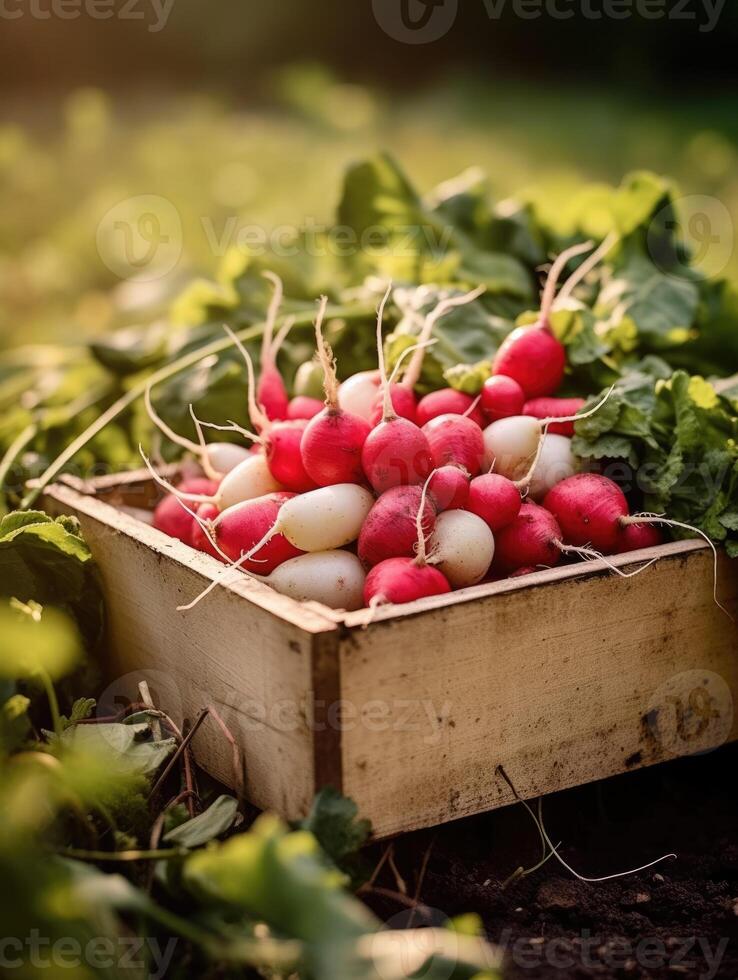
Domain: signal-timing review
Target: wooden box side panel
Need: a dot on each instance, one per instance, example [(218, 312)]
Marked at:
[(253, 666), (561, 684)]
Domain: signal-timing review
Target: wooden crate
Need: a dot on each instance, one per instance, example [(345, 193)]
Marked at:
[(562, 677)]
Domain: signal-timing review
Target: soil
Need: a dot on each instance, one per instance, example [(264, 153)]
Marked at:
[(677, 919)]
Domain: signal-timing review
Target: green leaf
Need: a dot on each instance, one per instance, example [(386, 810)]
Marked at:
[(129, 747), (81, 710), (215, 821), (33, 639), (333, 820)]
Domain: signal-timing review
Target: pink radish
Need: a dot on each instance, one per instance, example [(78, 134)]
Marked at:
[(495, 499), (588, 508), (531, 539), (332, 441), (237, 530), (531, 355), (448, 401), (462, 547), (634, 537), (449, 488), (398, 580), (271, 392), (172, 519), (402, 400), (391, 527), (502, 397), (304, 407), (457, 441), (396, 452), (546, 408)]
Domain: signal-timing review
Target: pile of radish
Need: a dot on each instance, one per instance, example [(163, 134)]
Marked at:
[(378, 496)]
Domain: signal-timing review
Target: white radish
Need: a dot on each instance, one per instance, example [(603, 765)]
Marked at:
[(358, 394), (462, 547), (224, 457), (555, 463), (334, 578), (511, 444), (324, 519), (250, 479)]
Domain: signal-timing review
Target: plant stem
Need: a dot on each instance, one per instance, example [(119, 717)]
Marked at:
[(52, 699), (121, 856), (164, 374), (14, 450)]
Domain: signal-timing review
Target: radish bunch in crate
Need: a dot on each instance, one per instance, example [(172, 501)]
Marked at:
[(377, 496)]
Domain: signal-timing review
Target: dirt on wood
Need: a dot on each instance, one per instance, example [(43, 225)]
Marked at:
[(677, 919)]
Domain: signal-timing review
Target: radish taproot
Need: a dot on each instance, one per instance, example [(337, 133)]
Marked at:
[(333, 440), (396, 451), (588, 508), (462, 547), (271, 392), (635, 537)]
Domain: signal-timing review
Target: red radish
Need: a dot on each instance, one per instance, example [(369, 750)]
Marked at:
[(455, 440), (216, 459), (531, 539), (462, 547), (170, 516), (396, 452), (400, 580), (531, 355), (495, 499), (448, 401), (239, 528), (520, 572), (304, 407), (502, 397), (391, 527), (547, 408), (449, 488), (634, 537), (403, 404), (332, 441), (588, 508), (271, 392)]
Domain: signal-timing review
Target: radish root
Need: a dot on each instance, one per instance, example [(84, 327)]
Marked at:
[(660, 519), (587, 266), (388, 410), (412, 375), (194, 498), (199, 449), (259, 418), (552, 280), (326, 360)]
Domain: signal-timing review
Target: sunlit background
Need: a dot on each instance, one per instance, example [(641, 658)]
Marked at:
[(241, 112)]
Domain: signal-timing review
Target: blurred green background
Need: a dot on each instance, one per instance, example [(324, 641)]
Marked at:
[(246, 113)]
